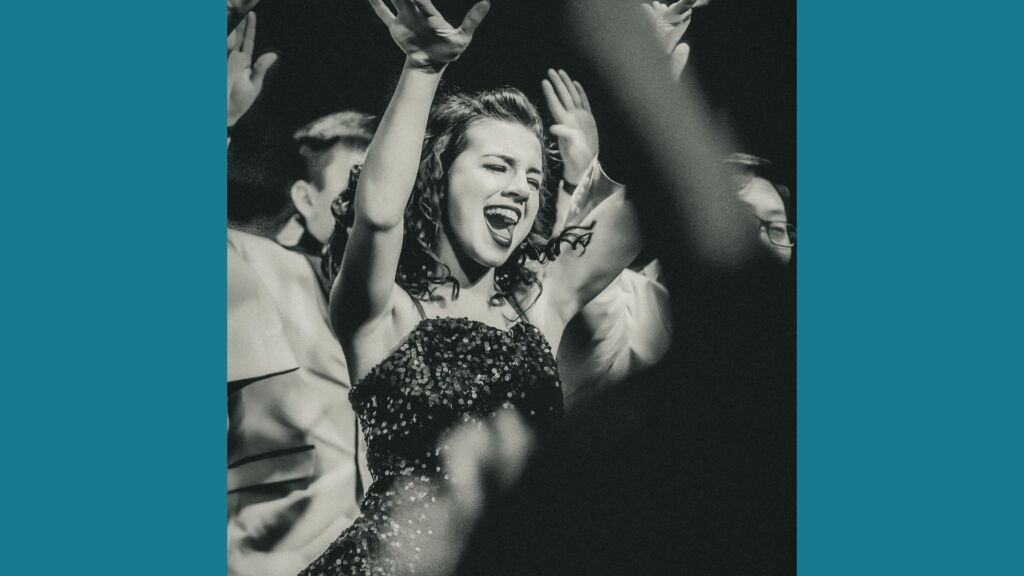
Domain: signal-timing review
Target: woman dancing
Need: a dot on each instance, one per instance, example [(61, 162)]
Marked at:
[(452, 197)]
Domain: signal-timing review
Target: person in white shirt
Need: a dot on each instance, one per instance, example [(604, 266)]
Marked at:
[(295, 467)]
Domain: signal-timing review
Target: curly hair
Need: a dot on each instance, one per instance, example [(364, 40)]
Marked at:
[(446, 137)]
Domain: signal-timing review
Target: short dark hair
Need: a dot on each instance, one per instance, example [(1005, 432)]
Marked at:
[(746, 166), (314, 141)]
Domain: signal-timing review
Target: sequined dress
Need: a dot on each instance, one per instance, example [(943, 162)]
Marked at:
[(449, 370)]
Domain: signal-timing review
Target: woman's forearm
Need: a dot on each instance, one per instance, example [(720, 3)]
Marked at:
[(392, 159)]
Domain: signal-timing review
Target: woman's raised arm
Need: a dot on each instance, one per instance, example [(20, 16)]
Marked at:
[(363, 290), (577, 276)]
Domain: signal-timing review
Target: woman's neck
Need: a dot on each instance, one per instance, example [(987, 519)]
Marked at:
[(468, 272), (474, 284), (476, 281)]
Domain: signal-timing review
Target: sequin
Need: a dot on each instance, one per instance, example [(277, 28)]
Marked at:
[(448, 371)]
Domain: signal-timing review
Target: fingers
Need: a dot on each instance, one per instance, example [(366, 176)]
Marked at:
[(236, 29), (474, 452), (233, 40), (382, 11), (669, 23), (249, 36), (237, 9), (680, 56), (427, 8), (465, 452), (678, 29), (681, 6), (237, 37), (259, 69), (557, 111), (650, 12), (475, 17), (577, 101), (652, 18), (405, 8), (561, 131), (514, 444), (561, 90), (583, 96)]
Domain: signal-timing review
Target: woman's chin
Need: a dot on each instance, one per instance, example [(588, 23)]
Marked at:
[(491, 252), (497, 261), (494, 256)]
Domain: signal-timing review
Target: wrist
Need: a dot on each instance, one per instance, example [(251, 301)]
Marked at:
[(427, 68), (575, 167), (572, 175)]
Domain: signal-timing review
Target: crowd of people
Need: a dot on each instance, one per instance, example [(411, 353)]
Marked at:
[(450, 351)]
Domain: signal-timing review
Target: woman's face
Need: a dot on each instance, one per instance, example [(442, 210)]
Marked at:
[(494, 191)]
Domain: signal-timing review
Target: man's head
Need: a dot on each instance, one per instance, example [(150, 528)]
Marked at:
[(328, 148), (769, 202)]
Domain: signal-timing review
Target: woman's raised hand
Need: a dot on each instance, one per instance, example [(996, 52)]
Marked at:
[(574, 123), (428, 40)]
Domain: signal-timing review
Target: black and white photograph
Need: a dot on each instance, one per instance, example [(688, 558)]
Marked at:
[(511, 287)]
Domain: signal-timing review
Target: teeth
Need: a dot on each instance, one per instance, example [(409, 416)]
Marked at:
[(506, 213)]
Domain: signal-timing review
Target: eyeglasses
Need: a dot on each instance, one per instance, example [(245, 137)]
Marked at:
[(780, 233)]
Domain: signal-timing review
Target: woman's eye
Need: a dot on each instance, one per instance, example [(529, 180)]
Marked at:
[(496, 168), (535, 184)]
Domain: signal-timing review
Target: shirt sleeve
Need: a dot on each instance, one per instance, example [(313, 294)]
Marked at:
[(622, 331), (595, 186)]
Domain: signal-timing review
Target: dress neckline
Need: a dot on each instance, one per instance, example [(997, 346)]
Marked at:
[(468, 320), (464, 320)]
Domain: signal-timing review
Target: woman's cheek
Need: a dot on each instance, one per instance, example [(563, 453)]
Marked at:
[(531, 219)]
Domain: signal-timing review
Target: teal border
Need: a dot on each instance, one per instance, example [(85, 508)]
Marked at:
[(909, 304), (909, 310), (114, 280)]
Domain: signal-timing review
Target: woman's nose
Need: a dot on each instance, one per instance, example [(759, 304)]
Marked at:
[(518, 189)]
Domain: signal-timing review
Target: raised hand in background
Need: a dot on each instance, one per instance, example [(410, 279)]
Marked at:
[(574, 125), (245, 78), (237, 9), (670, 21)]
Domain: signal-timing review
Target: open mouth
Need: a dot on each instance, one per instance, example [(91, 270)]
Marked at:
[(501, 221)]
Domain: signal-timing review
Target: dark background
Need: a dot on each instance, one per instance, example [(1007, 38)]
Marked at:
[(335, 54), (708, 435)]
